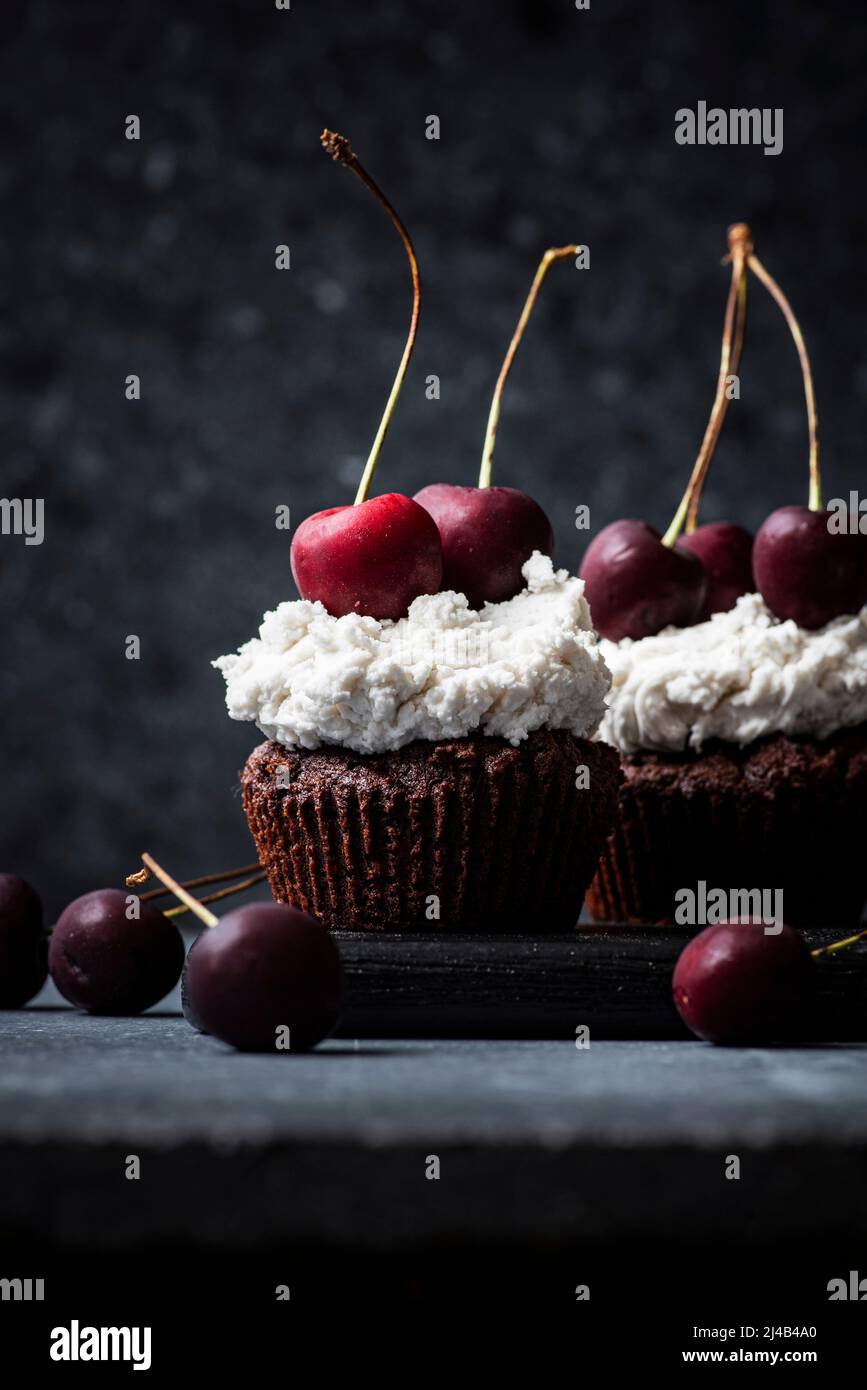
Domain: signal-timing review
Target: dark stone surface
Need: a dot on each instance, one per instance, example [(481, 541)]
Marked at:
[(262, 388), (74, 1077), (537, 1141)]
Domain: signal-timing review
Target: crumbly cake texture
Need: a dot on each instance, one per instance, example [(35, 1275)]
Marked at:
[(782, 812), (489, 836)]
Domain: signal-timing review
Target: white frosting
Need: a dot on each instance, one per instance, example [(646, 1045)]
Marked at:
[(738, 677), (443, 671)]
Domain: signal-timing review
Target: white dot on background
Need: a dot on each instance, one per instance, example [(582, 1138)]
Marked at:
[(330, 296)]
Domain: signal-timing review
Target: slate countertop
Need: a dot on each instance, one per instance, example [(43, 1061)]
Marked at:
[(537, 1140)]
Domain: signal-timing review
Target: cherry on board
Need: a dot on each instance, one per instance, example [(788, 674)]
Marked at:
[(741, 982)]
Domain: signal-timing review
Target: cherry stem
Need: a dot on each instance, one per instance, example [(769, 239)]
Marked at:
[(815, 499), (209, 918), (194, 882), (342, 153), (838, 945), (740, 247), (215, 897), (554, 253), (732, 369)]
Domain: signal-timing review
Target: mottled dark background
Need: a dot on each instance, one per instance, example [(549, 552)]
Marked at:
[(263, 387)]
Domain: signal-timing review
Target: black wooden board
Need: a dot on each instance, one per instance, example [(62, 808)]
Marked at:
[(614, 979)]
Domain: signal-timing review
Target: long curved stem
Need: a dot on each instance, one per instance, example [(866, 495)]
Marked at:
[(815, 498), (342, 153), (727, 370), (554, 253), (740, 245), (143, 875), (216, 897)]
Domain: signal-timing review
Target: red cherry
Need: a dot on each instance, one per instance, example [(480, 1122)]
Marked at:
[(805, 572), (262, 968), (636, 586), (737, 982), (726, 551), (106, 962), (374, 558), (487, 534)]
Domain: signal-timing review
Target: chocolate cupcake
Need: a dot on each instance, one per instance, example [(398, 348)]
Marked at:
[(744, 754), (466, 834), (434, 773)]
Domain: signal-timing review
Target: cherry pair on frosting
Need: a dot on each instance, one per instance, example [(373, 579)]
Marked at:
[(378, 555), (638, 582)]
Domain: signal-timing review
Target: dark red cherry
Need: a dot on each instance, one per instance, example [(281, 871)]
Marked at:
[(726, 551), (741, 982), (187, 1008), (373, 559), (108, 962), (636, 586), (264, 969), (23, 943), (487, 534), (804, 571)]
